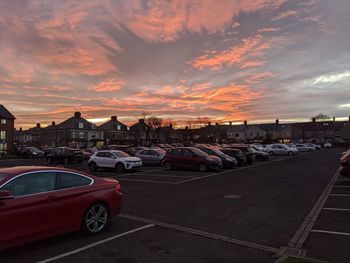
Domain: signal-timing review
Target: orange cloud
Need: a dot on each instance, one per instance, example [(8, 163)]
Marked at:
[(108, 86), (252, 46)]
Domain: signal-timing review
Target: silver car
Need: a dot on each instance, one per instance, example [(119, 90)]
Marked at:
[(151, 156)]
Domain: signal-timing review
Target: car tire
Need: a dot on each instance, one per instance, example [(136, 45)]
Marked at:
[(66, 160), (202, 167), (290, 153), (271, 153), (120, 168), (95, 219), (167, 166), (93, 166)]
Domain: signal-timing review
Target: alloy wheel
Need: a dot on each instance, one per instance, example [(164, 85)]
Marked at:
[(96, 218)]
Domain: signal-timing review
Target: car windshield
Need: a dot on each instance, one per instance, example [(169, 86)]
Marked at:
[(217, 152), (33, 149), (199, 152), (121, 154)]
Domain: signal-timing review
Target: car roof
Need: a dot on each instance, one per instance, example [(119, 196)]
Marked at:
[(12, 171)]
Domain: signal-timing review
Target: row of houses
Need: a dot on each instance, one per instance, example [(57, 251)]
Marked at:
[(78, 132)]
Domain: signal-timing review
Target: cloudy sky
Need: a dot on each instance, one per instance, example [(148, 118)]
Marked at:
[(179, 59)]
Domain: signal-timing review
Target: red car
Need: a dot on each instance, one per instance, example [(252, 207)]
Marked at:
[(41, 202), (345, 165)]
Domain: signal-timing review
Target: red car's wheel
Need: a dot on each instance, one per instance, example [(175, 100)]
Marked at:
[(95, 218), (202, 167)]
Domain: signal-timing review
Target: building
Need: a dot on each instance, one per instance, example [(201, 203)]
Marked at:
[(115, 132), (7, 127), (141, 133), (322, 131), (277, 132), (74, 132)]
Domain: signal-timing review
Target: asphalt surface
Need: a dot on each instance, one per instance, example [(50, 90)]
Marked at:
[(241, 215)]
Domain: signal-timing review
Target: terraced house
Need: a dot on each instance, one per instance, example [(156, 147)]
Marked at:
[(7, 123)]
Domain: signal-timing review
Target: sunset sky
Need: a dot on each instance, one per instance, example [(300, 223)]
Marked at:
[(224, 59)]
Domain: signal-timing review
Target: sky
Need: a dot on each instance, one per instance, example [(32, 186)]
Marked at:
[(229, 60)]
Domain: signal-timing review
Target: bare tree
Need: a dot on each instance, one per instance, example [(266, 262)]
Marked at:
[(320, 116)]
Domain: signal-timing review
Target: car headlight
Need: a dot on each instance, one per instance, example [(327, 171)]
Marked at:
[(35, 153)]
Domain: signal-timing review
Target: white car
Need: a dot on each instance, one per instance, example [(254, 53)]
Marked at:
[(281, 149), (305, 148), (327, 145), (118, 160)]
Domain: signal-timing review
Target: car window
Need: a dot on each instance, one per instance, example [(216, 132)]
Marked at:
[(121, 154), (199, 152), (32, 183), (187, 153), (69, 180), (2, 177), (100, 154), (108, 155), (176, 152)]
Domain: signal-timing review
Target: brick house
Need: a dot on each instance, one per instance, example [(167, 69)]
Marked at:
[(115, 132), (7, 127)]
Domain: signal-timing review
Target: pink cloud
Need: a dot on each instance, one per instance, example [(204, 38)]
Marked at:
[(108, 86)]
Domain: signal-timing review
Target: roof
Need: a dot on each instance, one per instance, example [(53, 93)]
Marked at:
[(5, 114), (111, 125), (13, 171), (73, 123)]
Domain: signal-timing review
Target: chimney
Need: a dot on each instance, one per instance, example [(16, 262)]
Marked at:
[(53, 123), (38, 125), (349, 118), (141, 121), (209, 123), (171, 125), (217, 124), (20, 128), (277, 121), (245, 123), (114, 118), (230, 123), (313, 119), (77, 115), (333, 119)]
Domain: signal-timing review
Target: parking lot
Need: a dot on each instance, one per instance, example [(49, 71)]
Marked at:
[(292, 204)]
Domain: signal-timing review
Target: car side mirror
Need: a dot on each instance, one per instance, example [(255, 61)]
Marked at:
[(5, 195)]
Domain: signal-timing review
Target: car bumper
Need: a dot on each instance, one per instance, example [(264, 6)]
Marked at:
[(133, 166)]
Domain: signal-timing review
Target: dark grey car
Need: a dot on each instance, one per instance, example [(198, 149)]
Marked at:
[(151, 156)]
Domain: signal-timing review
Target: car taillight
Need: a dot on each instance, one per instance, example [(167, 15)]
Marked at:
[(118, 188)]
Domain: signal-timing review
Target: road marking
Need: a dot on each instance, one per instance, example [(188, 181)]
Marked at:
[(343, 195), (303, 232), (203, 234), (336, 209), (146, 181), (95, 244), (165, 175), (330, 232)]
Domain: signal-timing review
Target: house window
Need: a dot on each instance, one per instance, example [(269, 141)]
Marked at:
[(81, 125), (3, 146), (81, 134), (3, 121), (3, 135), (119, 127)]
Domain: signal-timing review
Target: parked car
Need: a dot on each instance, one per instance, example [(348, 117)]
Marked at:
[(65, 155), (316, 146), (48, 150), (190, 158), (345, 165), (237, 154), (227, 161), (34, 152), (41, 202), (133, 150), (245, 148), (177, 144), (261, 155), (281, 149), (86, 154), (114, 159), (151, 156), (124, 148), (328, 145), (305, 148)]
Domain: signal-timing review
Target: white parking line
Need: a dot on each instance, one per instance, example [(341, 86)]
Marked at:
[(336, 209), (330, 232), (95, 244), (146, 181), (340, 195)]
